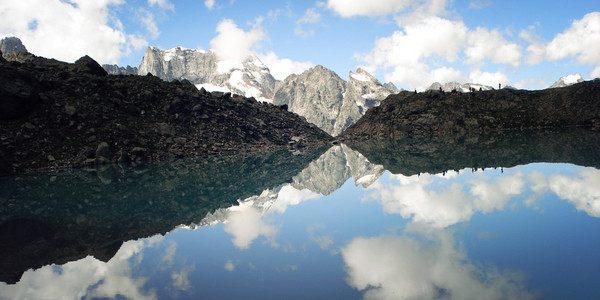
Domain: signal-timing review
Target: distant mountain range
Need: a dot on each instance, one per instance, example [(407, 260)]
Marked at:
[(317, 94)]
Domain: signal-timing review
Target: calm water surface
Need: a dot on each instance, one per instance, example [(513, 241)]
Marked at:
[(331, 226)]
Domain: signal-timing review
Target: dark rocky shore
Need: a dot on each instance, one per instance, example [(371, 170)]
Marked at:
[(439, 113), (56, 115)]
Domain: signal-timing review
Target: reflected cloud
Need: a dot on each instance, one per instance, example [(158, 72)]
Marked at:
[(229, 266), (245, 224), (289, 196), (582, 190), (87, 277), (441, 201), (399, 267), (489, 196), (181, 279), (245, 221)]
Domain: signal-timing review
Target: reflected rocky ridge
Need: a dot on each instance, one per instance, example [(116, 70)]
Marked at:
[(63, 216), (437, 154)]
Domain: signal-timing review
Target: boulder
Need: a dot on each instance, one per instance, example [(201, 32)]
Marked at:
[(87, 65)]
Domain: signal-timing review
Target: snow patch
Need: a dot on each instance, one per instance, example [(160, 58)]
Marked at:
[(572, 79), (360, 77), (213, 88), (366, 179)]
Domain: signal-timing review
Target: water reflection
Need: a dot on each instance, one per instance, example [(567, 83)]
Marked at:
[(342, 227), (59, 217), (404, 267)]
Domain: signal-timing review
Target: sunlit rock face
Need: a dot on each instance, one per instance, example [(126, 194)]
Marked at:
[(250, 78), (366, 91), (328, 101)]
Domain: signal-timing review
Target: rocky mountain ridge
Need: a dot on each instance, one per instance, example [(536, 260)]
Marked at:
[(458, 87), (332, 106), (439, 113), (56, 114), (251, 78)]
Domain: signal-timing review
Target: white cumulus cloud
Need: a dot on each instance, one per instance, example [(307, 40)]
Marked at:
[(164, 4), (233, 45), (405, 51), (68, 30), (351, 8), (210, 4), (488, 78), (490, 44), (581, 40), (283, 67)]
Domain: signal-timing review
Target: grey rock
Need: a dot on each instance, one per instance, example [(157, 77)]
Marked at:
[(117, 70), (10, 45), (329, 102), (103, 150), (88, 65), (316, 94)]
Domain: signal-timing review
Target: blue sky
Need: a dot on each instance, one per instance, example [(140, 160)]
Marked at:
[(412, 43)]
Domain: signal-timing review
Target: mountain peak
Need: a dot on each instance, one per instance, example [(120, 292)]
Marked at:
[(567, 80), (10, 45)]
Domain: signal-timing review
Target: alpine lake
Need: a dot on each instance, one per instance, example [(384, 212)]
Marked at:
[(512, 215)]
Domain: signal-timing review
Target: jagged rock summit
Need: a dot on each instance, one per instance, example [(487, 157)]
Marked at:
[(10, 45), (116, 70), (567, 81), (202, 68)]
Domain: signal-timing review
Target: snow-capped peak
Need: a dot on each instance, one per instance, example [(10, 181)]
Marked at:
[(568, 80)]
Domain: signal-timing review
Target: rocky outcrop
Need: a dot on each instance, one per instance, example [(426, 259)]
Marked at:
[(203, 69), (10, 45), (54, 114), (116, 70), (439, 113), (366, 91)]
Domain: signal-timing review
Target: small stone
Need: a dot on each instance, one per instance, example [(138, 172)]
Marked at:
[(70, 109), (103, 150), (51, 158)]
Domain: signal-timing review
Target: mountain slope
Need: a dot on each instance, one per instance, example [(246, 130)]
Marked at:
[(436, 113), (54, 114)]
